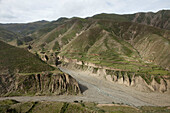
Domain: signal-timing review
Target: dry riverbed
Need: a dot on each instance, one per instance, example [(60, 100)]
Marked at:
[(97, 89)]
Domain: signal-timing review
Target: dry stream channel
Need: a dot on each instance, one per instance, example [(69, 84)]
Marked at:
[(97, 89)]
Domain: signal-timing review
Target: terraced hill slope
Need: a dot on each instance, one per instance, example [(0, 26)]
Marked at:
[(107, 43)]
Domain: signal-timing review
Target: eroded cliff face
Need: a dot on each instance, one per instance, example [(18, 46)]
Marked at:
[(142, 82), (38, 84), (159, 19)]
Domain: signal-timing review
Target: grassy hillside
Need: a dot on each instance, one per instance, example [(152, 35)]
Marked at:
[(6, 35), (122, 45), (17, 59), (152, 43), (119, 41), (57, 35), (106, 40), (24, 29), (81, 107), (113, 17)]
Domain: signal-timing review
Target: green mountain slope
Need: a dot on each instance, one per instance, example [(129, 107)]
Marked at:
[(10, 37), (24, 29), (20, 60), (159, 19), (57, 35), (6, 35), (137, 42), (19, 34), (122, 45)]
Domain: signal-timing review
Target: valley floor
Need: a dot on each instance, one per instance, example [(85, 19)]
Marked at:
[(96, 89)]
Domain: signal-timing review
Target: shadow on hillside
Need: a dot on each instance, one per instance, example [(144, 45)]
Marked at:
[(82, 88)]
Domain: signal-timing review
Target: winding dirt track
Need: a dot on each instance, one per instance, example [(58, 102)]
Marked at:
[(101, 91)]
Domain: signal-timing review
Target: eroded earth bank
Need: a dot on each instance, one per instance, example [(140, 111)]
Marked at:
[(99, 90)]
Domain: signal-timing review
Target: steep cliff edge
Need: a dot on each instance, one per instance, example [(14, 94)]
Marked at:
[(38, 84), (140, 81)]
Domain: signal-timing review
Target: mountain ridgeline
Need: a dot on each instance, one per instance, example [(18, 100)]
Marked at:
[(108, 37), (159, 19), (133, 43)]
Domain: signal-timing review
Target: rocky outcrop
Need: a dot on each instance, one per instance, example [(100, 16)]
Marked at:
[(38, 84), (49, 57), (142, 82)]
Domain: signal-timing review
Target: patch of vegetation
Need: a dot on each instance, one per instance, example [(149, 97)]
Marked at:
[(8, 102), (109, 72), (159, 72), (152, 109), (26, 39), (56, 33), (130, 75), (25, 107), (19, 42), (6, 35), (20, 60), (146, 77), (87, 107), (64, 108), (157, 79), (77, 27), (56, 46), (119, 109)]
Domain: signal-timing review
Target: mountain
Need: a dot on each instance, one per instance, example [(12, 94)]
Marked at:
[(159, 19), (106, 40), (123, 39), (21, 34), (124, 46), (23, 73), (18, 59), (7, 35), (18, 34), (24, 29)]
